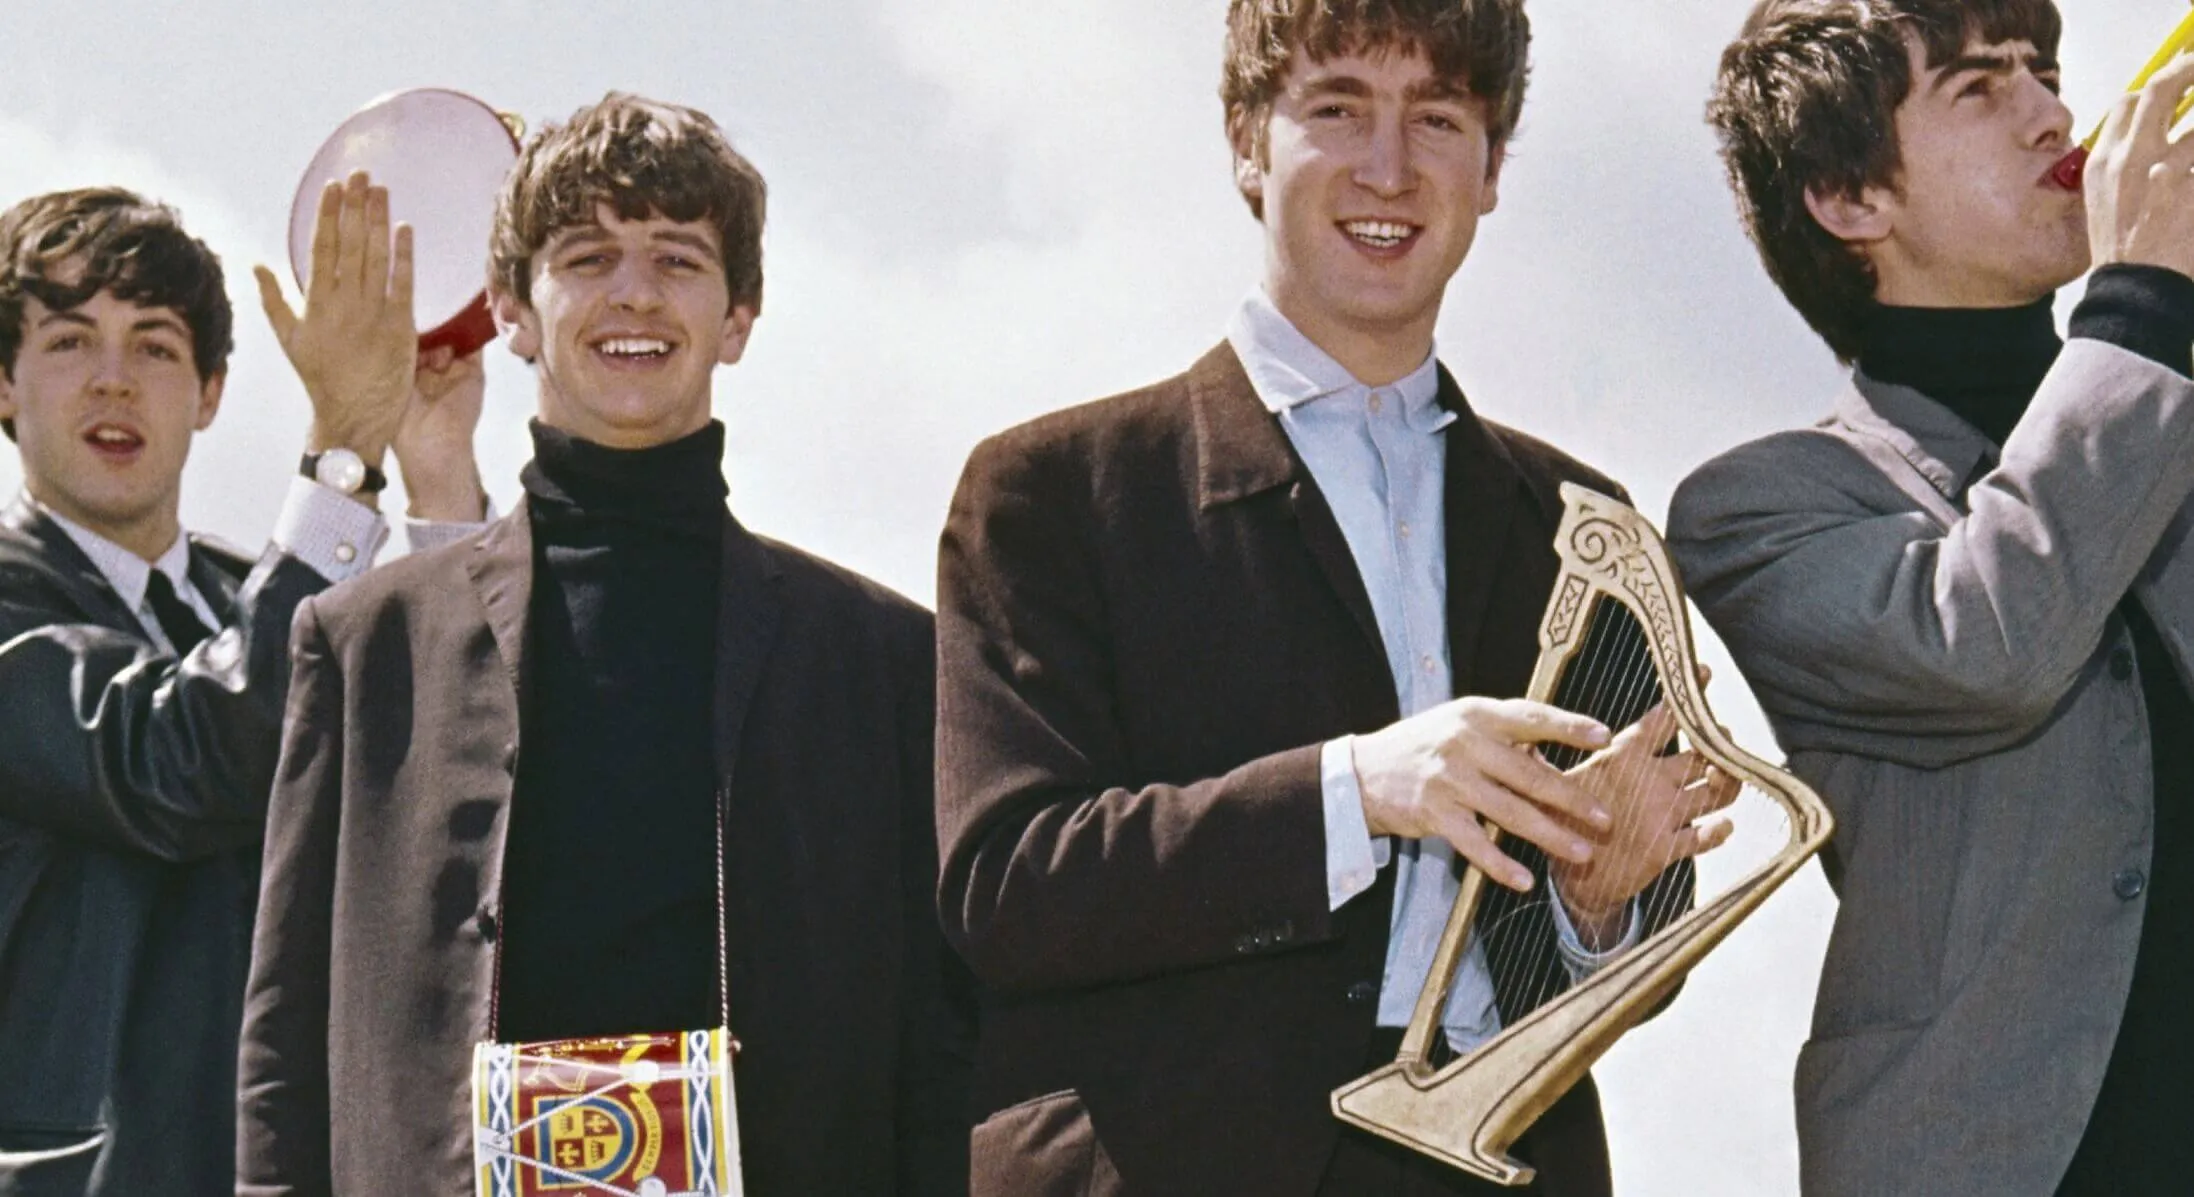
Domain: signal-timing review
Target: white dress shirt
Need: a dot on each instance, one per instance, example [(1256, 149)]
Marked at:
[(331, 532), (1378, 456)]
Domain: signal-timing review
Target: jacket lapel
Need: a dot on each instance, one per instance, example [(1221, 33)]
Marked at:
[(72, 570), (1241, 451), (748, 604), (501, 566), (1484, 490)]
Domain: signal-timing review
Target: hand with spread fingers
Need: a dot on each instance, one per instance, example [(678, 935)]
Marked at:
[(1658, 803), (1439, 772), (2140, 179), (355, 345), (434, 440)]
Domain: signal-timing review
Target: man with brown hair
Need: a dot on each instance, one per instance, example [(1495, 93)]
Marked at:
[(1228, 670), (142, 669), (1963, 598), (563, 779)]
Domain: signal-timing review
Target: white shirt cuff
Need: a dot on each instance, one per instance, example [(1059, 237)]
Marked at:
[(328, 530), (422, 535), (1581, 961), (1353, 857)]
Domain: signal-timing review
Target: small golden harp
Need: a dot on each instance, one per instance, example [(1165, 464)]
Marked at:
[(1614, 641)]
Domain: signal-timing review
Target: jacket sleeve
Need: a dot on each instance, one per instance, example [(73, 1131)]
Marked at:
[(109, 741), (937, 1016), (282, 1095), (1061, 868), (1864, 625)]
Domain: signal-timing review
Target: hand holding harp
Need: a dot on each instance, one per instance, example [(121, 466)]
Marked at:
[(1613, 643)]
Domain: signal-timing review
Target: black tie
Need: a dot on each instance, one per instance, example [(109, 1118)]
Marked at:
[(177, 620)]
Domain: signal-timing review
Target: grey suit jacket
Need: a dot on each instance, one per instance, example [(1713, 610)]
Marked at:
[(1940, 660)]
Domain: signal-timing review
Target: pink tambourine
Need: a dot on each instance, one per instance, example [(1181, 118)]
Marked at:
[(442, 155)]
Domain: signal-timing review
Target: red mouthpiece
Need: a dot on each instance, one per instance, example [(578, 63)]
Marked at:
[(2071, 168)]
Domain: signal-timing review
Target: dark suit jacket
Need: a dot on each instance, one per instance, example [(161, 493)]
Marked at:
[(372, 974), (132, 789), (1148, 624)]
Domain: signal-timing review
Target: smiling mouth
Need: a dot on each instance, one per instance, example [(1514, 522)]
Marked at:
[(114, 440), (1379, 234), (633, 349)]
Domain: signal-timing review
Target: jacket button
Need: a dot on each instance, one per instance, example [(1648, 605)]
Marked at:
[(1363, 993), (485, 922), (2121, 663), (1247, 945), (2129, 884), (1284, 933)]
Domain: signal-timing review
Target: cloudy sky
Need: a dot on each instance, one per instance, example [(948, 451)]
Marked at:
[(985, 209)]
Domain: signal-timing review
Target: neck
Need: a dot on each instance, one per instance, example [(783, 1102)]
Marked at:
[(1372, 356), (1899, 283), (147, 536), (600, 422)]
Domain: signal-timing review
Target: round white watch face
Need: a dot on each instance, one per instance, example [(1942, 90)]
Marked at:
[(340, 469)]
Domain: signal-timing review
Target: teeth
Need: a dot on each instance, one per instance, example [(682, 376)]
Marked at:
[(635, 346), (1378, 232), (113, 436)]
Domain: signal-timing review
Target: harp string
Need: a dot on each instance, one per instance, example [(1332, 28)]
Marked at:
[(1613, 678)]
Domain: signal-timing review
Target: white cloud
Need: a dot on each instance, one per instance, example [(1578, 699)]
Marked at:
[(983, 210)]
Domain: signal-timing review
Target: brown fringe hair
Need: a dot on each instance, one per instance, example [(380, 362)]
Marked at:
[(1806, 100), (643, 158)]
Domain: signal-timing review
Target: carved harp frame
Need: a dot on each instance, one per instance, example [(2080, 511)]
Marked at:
[(1469, 1112)]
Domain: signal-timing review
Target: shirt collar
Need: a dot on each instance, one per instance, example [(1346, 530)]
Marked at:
[(1288, 369), (127, 572)]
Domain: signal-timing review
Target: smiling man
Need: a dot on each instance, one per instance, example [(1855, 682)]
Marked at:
[(1964, 597), (563, 779), (142, 669), (1228, 670)]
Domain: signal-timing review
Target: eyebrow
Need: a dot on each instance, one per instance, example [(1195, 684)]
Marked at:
[(595, 234), (1996, 62), (153, 323), (1417, 92)]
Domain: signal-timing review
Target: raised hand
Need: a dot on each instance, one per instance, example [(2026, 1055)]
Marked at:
[(355, 344), (434, 440), (2140, 181)]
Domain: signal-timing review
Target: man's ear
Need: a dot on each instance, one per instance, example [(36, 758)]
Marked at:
[(1247, 144), (1859, 217), (209, 400), (738, 326), (518, 320), (1490, 197)]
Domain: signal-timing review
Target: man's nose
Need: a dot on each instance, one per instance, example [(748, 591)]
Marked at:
[(636, 285), (1385, 166), (2052, 120), (114, 376)]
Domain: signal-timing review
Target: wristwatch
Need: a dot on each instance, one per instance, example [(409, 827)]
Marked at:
[(343, 470)]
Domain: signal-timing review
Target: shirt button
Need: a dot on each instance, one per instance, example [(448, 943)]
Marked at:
[(1404, 529), (1377, 404), (346, 552), (2128, 884), (1430, 665), (2121, 663)]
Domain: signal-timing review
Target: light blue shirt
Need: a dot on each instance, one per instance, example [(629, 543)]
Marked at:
[(1379, 457)]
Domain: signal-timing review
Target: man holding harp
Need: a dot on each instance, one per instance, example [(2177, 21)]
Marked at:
[(1227, 674), (1963, 598)]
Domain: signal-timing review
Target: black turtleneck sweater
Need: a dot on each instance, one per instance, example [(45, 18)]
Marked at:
[(609, 876), (1986, 366)]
